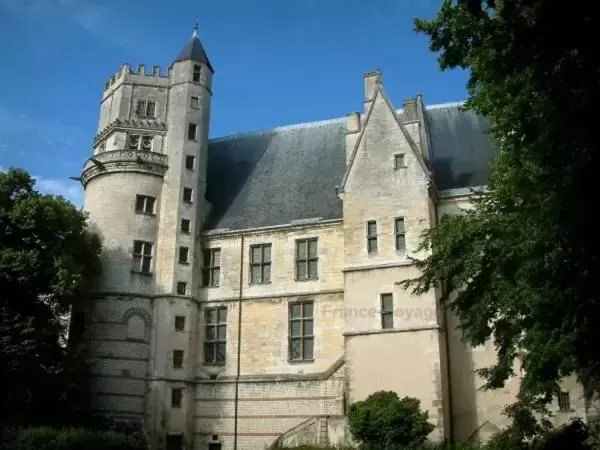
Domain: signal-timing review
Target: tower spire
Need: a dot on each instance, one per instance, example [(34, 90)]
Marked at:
[(194, 51), (195, 32)]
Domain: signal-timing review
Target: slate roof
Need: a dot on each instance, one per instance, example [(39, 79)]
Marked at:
[(194, 51), (287, 174)]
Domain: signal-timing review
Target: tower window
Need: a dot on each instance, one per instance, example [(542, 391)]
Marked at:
[(192, 130), (187, 195), (189, 162), (144, 204), (372, 236), (400, 234), (142, 256), (197, 70), (564, 402), (176, 395), (301, 336), (215, 335), (184, 254), (146, 108), (211, 260), (177, 359), (195, 103), (387, 311), (181, 288), (138, 142), (186, 225), (179, 323), (399, 161)]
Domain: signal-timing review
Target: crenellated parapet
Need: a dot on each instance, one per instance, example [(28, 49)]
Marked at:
[(126, 71), (139, 161), (135, 124)]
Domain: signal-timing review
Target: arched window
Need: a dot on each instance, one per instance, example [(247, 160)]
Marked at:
[(136, 327)]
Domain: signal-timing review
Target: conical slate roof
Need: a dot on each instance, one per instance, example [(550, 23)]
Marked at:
[(194, 51)]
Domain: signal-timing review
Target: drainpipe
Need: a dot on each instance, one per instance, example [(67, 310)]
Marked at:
[(239, 347)]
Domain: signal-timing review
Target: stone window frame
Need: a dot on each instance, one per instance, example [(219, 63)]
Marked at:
[(263, 264), (183, 255), (179, 323), (181, 288), (307, 259), (192, 131), (195, 102), (140, 142), (215, 336), (371, 232), (190, 165), (187, 229), (387, 310), (211, 272), (176, 397), (141, 256), (400, 234), (399, 161), (178, 356), (188, 195), (564, 401), (145, 109), (196, 73), (145, 204), (298, 319)]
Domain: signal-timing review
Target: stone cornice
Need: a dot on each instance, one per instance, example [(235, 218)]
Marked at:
[(139, 161), (136, 124)]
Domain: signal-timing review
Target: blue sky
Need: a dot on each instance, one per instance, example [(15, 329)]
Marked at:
[(277, 62)]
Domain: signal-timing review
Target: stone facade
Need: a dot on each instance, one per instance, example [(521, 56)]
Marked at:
[(250, 289)]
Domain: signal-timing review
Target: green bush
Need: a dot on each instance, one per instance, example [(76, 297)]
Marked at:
[(384, 421), (77, 439)]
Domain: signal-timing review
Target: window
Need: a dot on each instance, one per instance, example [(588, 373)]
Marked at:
[(144, 204), (192, 128), (102, 147), (176, 395), (399, 161), (215, 337), (372, 236), (186, 225), (301, 331), (564, 402), (189, 162), (142, 256), (187, 195), (387, 311), (260, 263), (195, 103), (196, 73), (179, 323), (125, 373), (136, 328), (177, 359), (139, 142), (306, 259), (181, 288), (400, 234), (184, 254), (77, 325), (146, 108), (211, 259), (215, 446)]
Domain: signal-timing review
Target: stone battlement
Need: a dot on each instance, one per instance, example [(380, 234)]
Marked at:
[(157, 72)]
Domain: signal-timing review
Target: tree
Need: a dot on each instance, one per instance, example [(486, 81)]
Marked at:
[(384, 421), (48, 260), (522, 261)]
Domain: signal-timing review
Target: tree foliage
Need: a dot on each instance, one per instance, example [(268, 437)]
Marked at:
[(385, 421), (522, 261), (48, 258)]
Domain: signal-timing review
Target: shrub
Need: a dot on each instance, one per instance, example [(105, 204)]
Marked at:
[(384, 420), (77, 439)]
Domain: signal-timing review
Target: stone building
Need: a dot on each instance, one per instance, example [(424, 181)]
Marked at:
[(250, 289)]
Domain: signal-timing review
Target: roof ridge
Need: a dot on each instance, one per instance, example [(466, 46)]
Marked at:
[(445, 105)]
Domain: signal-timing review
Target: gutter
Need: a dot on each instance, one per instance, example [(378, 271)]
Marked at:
[(239, 348)]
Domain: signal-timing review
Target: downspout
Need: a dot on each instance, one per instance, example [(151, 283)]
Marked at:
[(239, 347)]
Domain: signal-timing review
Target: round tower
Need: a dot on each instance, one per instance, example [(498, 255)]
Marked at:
[(144, 188)]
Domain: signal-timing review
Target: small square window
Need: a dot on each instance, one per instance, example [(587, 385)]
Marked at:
[(146, 143), (184, 254), (186, 225), (195, 103), (187, 195), (399, 161), (177, 359), (192, 129), (179, 323), (176, 395), (189, 162), (196, 73), (181, 288), (144, 204)]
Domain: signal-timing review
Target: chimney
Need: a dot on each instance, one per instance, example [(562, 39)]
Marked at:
[(410, 110), (352, 122), (372, 81)]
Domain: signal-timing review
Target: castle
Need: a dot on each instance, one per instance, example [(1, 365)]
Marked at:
[(250, 289)]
